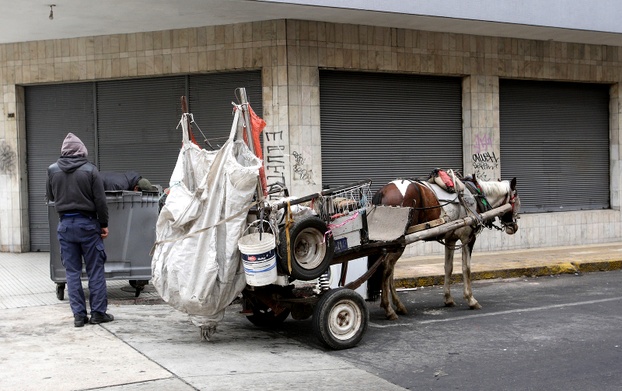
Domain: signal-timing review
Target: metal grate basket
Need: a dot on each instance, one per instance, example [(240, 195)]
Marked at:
[(343, 200)]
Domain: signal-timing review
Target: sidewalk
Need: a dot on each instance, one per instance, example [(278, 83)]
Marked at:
[(426, 271), (156, 347)]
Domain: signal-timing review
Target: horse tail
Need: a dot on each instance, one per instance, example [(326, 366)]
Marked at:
[(378, 196)]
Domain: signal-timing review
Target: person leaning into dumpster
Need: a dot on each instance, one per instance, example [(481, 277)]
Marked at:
[(129, 180), (77, 190)]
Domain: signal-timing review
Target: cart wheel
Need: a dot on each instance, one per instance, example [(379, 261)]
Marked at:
[(310, 251), (264, 317), (60, 291), (340, 319)]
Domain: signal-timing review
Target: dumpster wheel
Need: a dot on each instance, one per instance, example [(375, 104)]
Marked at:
[(139, 285), (60, 291)]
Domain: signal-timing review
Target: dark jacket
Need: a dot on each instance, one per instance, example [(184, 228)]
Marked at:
[(74, 184), (120, 180)]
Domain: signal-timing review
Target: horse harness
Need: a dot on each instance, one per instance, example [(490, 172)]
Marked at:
[(482, 205)]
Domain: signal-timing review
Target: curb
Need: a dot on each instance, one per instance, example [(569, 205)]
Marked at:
[(575, 267)]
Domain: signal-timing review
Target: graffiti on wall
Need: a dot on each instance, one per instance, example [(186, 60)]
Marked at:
[(300, 169), (485, 163), (275, 157), (8, 159)]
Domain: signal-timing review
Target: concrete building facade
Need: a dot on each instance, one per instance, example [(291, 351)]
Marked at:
[(290, 53)]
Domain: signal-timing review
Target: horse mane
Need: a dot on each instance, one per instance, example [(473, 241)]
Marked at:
[(495, 188)]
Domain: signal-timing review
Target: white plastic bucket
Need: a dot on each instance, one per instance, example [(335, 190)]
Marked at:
[(258, 258)]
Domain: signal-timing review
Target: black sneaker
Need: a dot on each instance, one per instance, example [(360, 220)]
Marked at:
[(98, 317), (80, 320)]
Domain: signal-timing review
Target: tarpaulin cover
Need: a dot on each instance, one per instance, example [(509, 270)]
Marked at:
[(196, 261)]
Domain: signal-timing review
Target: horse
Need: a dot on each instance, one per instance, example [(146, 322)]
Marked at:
[(426, 207)]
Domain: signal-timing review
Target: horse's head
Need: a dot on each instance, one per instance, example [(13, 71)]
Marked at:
[(499, 193), (510, 219)]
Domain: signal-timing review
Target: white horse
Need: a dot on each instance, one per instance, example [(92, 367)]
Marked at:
[(428, 206)]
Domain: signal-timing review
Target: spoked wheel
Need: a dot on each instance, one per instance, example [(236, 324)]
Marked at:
[(309, 249), (340, 319), (60, 291), (264, 316)]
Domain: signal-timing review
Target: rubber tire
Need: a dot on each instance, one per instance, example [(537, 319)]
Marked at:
[(299, 234), (60, 291), (264, 317), (138, 285), (135, 283), (341, 318)]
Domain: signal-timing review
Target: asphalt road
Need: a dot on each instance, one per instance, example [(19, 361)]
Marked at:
[(548, 333)]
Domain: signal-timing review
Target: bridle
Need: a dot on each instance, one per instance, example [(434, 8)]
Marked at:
[(512, 199)]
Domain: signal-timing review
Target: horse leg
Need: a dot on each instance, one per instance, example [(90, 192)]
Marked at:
[(449, 268), (387, 280), (399, 306), (466, 275)]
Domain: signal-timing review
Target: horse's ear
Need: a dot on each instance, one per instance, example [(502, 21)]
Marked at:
[(513, 184)]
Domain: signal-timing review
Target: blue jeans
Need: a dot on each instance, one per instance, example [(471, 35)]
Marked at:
[(80, 236)]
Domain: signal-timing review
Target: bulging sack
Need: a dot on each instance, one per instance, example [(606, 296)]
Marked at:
[(196, 262)]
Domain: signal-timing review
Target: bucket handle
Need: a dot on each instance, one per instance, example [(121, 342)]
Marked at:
[(261, 227)]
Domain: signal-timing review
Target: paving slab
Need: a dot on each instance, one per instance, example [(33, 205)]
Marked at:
[(42, 350), (239, 355)]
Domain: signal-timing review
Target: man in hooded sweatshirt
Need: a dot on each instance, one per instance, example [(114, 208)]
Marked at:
[(78, 193)]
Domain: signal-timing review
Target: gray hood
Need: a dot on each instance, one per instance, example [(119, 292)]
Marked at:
[(73, 146)]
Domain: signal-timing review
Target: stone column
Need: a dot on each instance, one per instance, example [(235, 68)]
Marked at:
[(615, 127), (481, 129), (14, 231), (276, 138), (305, 156)]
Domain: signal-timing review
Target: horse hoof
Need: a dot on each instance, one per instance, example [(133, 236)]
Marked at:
[(475, 306), (450, 304), (392, 317), (402, 311)]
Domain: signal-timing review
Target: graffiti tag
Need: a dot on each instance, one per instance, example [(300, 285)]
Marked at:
[(7, 159), (302, 172)]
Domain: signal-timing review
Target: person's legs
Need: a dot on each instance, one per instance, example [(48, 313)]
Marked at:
[(71, 257), (94, 258)]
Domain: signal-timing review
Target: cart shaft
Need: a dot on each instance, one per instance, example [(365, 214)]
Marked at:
[(453, 225)]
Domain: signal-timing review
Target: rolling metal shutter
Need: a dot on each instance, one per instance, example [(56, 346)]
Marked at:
[(210, 102), (136, 122), (555, 140), (52, 111), (136, 126), (385, 126)]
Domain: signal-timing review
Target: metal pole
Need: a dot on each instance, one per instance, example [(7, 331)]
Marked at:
[(452, 225), (249, 134)]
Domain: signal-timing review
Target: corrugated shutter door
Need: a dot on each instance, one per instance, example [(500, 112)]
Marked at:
[(210, 102), (52, 111), (385, 126), (555, 140), (136, 126)]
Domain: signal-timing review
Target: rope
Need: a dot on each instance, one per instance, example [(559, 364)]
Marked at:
[(245, 210), (329, 231)]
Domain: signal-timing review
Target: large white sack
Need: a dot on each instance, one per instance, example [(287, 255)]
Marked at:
[(196, 263)]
